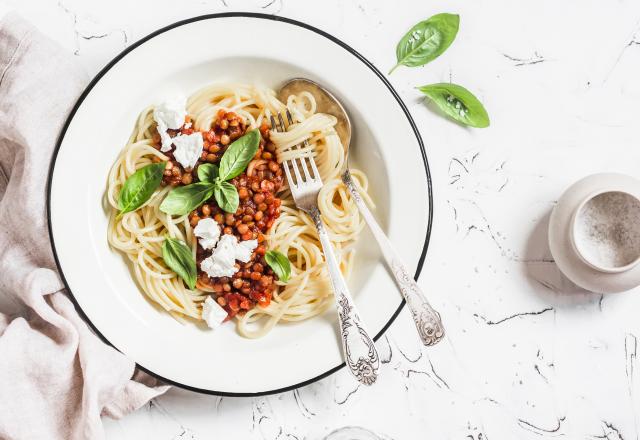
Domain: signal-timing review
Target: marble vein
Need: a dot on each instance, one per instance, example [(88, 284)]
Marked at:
[(609, 432), (519, 62), (554, 431), (301, 406), (515, 315)]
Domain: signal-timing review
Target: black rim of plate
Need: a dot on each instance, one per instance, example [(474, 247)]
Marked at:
[(335, 40)]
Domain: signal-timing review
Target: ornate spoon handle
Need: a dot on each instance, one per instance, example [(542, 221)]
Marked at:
[(427, 320), (360, 352)]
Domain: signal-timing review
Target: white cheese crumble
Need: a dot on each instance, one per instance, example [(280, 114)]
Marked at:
[(244, 249), (208, 231), (169, 114), (222, 261), (212, 313), (188, 149)]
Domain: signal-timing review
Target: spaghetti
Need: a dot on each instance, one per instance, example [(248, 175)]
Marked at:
[(139, 234)]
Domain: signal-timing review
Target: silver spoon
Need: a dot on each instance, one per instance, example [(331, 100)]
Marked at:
[(426, 319)]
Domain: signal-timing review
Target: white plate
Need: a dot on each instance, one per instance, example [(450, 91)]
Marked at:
[(182, 57)]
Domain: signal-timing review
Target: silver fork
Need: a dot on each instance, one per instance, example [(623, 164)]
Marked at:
[(359, 350)]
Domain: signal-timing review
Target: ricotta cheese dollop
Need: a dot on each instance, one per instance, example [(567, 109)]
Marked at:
[(208, 231), (244, 249), (212, 313), (222, 261), (169, 114), (188, 148)]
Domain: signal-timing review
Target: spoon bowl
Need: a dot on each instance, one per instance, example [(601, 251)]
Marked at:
[(325, 103)]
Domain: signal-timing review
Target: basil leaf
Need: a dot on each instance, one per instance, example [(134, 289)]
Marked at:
[(208, 172), (458, 103), (227, 196), (427, 40), (184, 199), (239, 154), (139, 187), (179, 258), (280, 264)]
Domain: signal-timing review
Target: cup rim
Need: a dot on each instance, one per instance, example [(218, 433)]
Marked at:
[(583, 258)]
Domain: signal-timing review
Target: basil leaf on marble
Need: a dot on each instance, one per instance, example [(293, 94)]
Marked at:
[(458, 103), (139, 187), (427, 40), (238, 155), (179, 258), (279, 263), (227, 196), (184, 199)]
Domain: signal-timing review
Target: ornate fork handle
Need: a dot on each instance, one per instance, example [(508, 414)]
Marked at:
[(426, 319), (360, 352)]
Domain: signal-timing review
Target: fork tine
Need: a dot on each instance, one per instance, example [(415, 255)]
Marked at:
[(303, 161), (279, 127), (305, 169), (289, 117), (296, 171), (273, 123), (285, 165), (316, 173), (293, 161)]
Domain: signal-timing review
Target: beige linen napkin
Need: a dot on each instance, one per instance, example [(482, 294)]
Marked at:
[(56, 376)]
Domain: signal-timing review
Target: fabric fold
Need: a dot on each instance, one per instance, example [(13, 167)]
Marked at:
[(56, 376)]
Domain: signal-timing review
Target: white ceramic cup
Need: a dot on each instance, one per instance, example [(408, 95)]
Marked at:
[(582, 267), (584, 244)]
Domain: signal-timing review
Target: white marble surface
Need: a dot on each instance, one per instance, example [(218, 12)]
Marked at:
[(527, 356)]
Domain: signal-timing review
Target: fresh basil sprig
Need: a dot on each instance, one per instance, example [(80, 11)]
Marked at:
[(139, 187), (427, 40), (208, 172), (179, 258), (213, 180), (458, 103), (227, 196), (280, 264), (238, 155), (184, 199)]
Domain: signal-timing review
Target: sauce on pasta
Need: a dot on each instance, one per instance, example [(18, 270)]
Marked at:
[(253, 296)]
